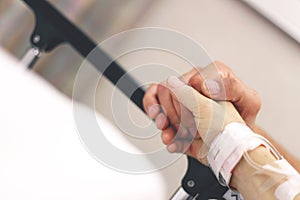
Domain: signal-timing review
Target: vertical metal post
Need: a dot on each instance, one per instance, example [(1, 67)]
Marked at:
[(31, 57)]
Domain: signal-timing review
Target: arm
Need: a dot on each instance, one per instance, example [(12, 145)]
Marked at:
[(229, 147), (248, 187), (228, 87), (245, 100), (288, 156)]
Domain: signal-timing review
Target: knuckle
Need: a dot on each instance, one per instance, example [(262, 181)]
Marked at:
[(149, 95), (256, 101), (161, 89), (145, 103), (146, 97), (192, 80), (151, 86), (195, 80), (223, 69)]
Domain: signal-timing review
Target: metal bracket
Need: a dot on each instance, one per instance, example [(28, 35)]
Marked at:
[(45, 35)]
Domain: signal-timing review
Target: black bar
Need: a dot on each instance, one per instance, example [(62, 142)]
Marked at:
[(66, 31)]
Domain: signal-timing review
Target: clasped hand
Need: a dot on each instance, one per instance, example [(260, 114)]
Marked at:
[(193, 109)]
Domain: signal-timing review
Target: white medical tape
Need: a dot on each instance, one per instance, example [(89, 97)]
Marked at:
[(279, 171), (289, 189), (291, 186), (228, 148)]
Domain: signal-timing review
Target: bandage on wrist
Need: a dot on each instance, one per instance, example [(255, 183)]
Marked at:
[(235, 142), (289, 189), (280, 175), (228, 148)]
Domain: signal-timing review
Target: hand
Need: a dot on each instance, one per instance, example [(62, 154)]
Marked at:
[(218, 82), (160, 106), (215, 81), (210, 117)]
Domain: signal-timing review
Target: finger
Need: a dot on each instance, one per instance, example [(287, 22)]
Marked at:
[(187, 120), (181, 131), (166, 102), (193, 131), (188, 96), (172, 148), (248, 105), (196, 81), (168, 135), (161, 121), (218, 82), (150, 102), (209, 82), (186, 76), (169, 132), (192, 149), (187, 146), (179, 146), (245, 99)]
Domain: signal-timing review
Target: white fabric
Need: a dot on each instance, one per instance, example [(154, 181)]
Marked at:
[(284, 14), (228, 148), (41, 156), (290, 188)]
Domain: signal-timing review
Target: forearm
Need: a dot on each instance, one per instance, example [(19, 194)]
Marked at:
[(248, 182), (235, 154), (295, 162)]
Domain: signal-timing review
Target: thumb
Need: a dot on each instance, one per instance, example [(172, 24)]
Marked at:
[(211, 88), (187, 96)]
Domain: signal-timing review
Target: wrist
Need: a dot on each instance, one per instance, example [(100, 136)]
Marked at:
[(243, 170), (228, 148)]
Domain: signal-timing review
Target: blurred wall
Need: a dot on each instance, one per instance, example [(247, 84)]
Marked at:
[(99, 19), (262, 55)]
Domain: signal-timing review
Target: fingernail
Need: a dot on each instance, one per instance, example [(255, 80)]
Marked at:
[(174, 82), (165, 138), (161, 121), (153, 111), (183, 132), (212, 87), (172, 148)]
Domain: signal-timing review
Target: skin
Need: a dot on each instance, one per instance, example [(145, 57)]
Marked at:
[(247, 183), (159, 97), (287, 155), (162, 106), (246, 100)]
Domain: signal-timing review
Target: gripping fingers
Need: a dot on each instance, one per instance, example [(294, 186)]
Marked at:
[(187, 96), (166, 102), (150, 102), (186, 120)]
